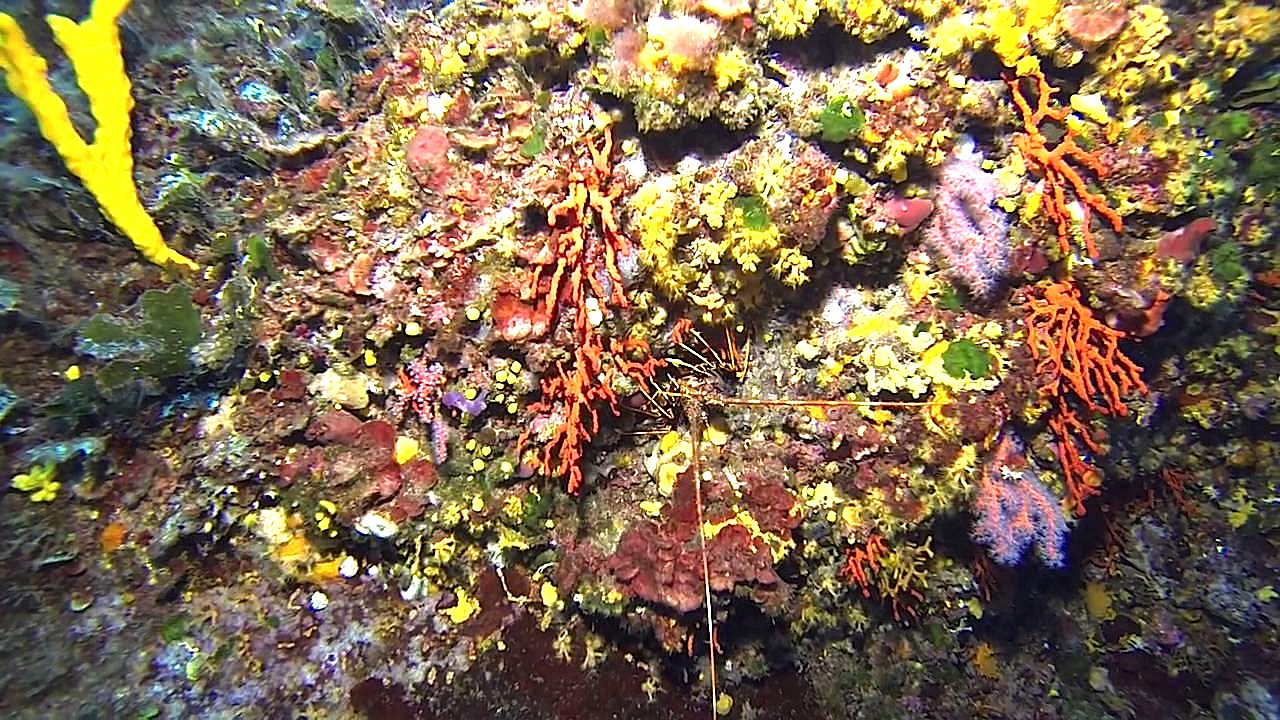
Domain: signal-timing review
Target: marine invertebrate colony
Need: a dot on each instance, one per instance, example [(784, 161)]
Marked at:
[(1015, 510), (970, 235), (492, 396), (1054, 168), (580, 270), (1078, 357), (105, 166)]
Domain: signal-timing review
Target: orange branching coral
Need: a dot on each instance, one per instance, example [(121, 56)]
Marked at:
[(1080, 351), (896, 574), (1075, 443), (864, 560), (680, 329), (1053, 166), (570, 264), (579, 269), (1078, 355), (578, 390)]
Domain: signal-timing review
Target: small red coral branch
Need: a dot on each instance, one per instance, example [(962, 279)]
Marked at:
[(1175, 481), (577, 265), (570, 265), (865, 567), (578, 390), (862, 561), (1052, 164), (680, 329), (1080, 356)]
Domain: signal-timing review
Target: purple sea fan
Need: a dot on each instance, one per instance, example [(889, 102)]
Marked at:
[(971, 236), (1013, 509)]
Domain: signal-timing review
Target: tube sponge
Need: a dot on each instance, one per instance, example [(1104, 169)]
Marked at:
[(105, 166)]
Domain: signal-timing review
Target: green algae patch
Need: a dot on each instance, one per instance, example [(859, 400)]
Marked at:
[(841, 120), (966, 357), (755, 215), (159, 345)]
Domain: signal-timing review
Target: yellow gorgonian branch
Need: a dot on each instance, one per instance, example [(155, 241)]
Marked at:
[(105, 166)]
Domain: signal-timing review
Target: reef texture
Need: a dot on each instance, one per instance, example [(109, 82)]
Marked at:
[(933, 344)]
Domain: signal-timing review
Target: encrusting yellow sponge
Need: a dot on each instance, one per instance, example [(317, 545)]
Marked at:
[(106, 166)]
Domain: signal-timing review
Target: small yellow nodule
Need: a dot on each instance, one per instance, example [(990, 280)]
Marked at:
[(406, 449)]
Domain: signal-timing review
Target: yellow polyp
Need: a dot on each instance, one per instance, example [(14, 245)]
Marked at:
[(406, 449), (41, 482), (1098, 601), (326, 570), (716, 432), (105, 167), (668, 441), (466, 607), (667, 476), (443, 550), (1040, 13), (986, 662), (920, 286), (550, 595), (1031, 205), (294, 549), (1092, 107), (730, 67), (452, 65), (1028, 65)]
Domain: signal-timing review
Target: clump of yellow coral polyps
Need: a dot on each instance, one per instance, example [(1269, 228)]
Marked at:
[(682, 43), (721, 236), (105, 166)]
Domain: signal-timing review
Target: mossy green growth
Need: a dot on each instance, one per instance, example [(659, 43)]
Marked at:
[(597, 37), (1230, 127), (536, 142), (966, 357), (176, 628), (1226, 263), (157, 346), (841, 120), (345, 10), (257, 256), (755, 214), (1264, 167), (937, 634), (952, 298), (181, 188)]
